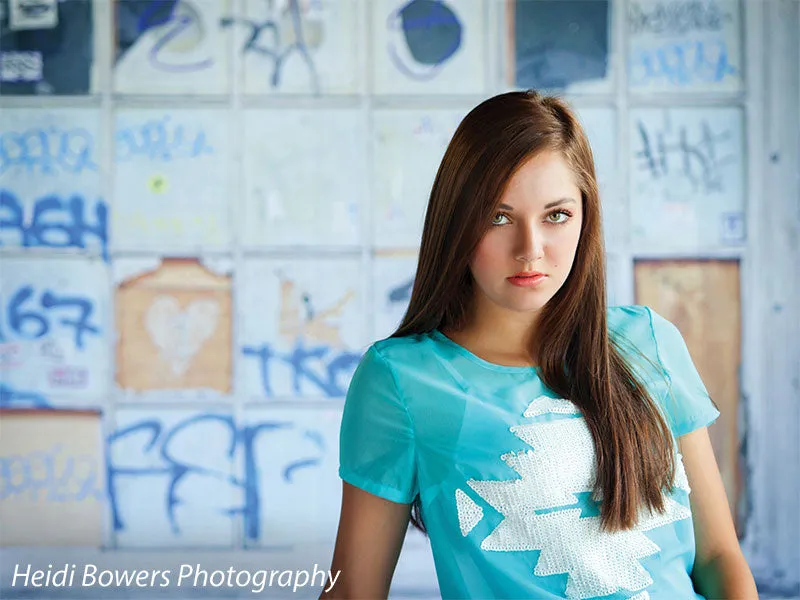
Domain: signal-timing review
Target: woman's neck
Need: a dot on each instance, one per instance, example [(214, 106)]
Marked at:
[(498, 336)]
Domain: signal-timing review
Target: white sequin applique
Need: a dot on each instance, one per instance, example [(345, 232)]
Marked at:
[(641, 596), (681, 481), (545, 404), (561, 464), (469, 513)]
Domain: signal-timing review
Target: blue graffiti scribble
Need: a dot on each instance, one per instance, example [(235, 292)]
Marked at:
[(162, 439), (60, 477), (694, 155), (682, 63), (250, 509), (401, 293), (31, 322), (558, 44), (56, 222), (11, 398), (336, 365), (160, 140), (47, 151), (155, 13), (175, 469), (180, 24), (173, 19), (432, 34), (274, 50), (677, 18), (316, 438)]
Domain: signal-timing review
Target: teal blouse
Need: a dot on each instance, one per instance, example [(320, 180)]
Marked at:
[(504, 468)]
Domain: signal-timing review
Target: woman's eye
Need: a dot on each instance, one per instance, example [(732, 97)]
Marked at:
[(560, 215), (498, 219)]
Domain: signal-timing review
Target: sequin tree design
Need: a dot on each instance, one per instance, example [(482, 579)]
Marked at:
[(540, 509)]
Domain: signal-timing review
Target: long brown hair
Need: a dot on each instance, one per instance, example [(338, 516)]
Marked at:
[(576, 356)]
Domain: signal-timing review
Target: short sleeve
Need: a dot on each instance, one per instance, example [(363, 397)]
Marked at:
[(376, 440), (687, 402)]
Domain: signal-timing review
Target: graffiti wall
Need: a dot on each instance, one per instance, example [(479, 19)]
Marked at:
[(209, 209)]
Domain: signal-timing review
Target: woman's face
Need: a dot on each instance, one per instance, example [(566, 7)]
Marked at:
[(535, 230)]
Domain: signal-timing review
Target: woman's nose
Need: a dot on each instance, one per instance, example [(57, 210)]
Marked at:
[(529, 244)]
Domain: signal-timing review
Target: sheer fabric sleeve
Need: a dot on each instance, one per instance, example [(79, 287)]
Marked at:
[(687, 402), (376, 441)]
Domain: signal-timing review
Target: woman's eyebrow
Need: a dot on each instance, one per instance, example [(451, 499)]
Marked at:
[(559, 202), (546, 206)]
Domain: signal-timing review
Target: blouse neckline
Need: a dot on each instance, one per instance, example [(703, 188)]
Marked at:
[(441, 337)]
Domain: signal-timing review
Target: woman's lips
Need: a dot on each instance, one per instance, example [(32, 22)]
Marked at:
[(527, 281)]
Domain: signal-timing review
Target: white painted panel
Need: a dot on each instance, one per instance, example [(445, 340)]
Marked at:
[(428, 47), (393, 277), (408, 146), (302, 326), (687, 174), (299, 47), (305, 177), (50, 180), (683, 45), (172, 48), (172, 478), (171, 182), (293, 462), (54, 329), (600, 127)]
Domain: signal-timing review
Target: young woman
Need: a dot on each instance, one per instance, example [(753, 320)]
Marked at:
[(546, 442)]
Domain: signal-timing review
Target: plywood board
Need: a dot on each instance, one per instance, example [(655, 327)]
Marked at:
[(174, 329), (52, 480), (701, 298)]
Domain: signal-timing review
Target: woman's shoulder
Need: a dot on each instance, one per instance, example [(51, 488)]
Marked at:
[(669, 366), (397, 351), (641, 325), (640, 330), (629, 315), (396, 360), (635, 325)]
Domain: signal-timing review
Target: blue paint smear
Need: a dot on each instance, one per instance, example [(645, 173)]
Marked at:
[(559, 43)]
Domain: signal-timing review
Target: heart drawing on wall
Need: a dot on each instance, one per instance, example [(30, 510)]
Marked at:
[(179, 334)]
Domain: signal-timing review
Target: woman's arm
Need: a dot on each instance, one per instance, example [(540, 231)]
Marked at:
[(371, 534), (720, 570)]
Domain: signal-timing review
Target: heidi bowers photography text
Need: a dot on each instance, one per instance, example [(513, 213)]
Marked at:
[(186, 575)]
